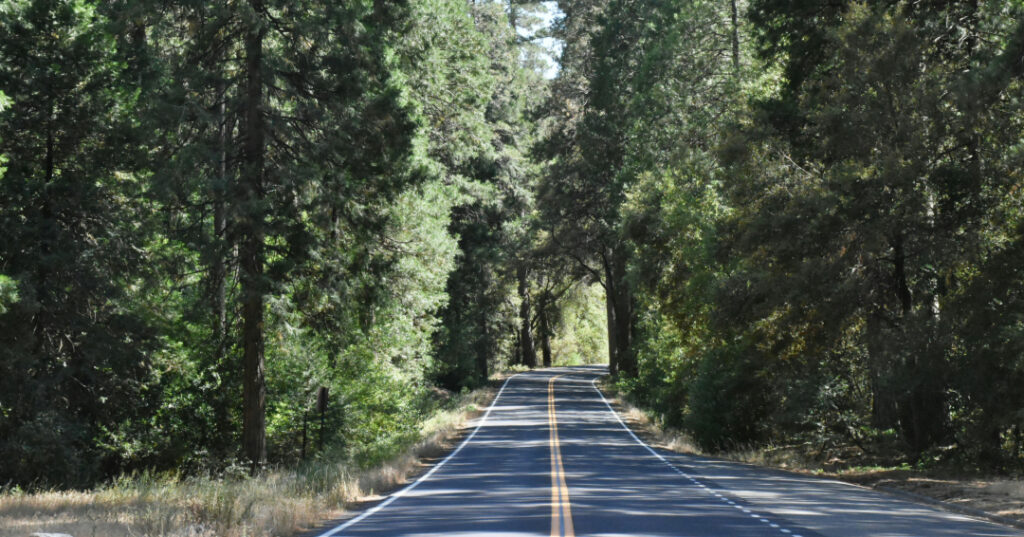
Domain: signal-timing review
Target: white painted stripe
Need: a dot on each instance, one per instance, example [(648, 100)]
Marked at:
[(338, 529), (666, 461), (628, 430)]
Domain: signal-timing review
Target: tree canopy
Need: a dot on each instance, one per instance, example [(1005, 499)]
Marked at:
[(789, 223)]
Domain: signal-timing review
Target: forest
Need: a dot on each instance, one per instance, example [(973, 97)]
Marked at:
[(255, 232)]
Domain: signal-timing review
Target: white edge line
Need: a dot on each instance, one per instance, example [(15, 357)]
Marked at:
[(644, 444), (340, 528), (626, 427), (658, 455)]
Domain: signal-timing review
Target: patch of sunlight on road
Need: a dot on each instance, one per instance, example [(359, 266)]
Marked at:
[(478, 534), (621, 535), (748, 494), (500, 408), (439, 492), (797, 512), (515, 423), (505, 444)]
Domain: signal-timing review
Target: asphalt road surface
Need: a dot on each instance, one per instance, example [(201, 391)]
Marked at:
[(551, 457)]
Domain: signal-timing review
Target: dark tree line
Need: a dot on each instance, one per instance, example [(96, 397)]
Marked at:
[(803, 218), (212, 210), (804, 214)]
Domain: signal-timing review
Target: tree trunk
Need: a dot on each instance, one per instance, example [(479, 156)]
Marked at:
[(545, 329), (218, 269), (735, 38), (624, 315), (973, 18), (513, 19), (611, 310), (517, 354), (900, 275), (624, 325), (252, 251), (884, 410), (922, 405), (483, 347), (41, 286), (526, 337)]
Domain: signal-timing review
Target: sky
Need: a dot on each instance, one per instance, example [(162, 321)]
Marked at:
[(551, 45)]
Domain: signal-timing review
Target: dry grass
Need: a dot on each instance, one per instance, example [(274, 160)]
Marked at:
[(276, 503), (653, 432), (658, 435)]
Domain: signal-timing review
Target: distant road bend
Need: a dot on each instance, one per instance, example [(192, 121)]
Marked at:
[(551, 457)]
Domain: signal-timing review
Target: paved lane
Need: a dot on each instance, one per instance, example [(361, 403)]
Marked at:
[(550, 457)]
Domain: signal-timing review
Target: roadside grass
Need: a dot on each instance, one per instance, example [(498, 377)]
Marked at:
[(998, 495), (278, 502)]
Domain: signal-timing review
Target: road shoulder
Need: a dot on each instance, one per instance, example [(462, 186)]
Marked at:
[(999, 500), (445, 443)]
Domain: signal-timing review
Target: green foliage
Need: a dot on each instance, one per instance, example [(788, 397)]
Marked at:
[(821, 202), (150, 249), (793, 222), (75, 346), (728, 400), (481, 328), (8, 293), (581, 333)]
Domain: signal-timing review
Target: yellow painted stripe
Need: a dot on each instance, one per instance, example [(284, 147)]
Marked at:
[(561, 511)]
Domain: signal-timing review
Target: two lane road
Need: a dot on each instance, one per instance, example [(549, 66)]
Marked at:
[(551, 457)]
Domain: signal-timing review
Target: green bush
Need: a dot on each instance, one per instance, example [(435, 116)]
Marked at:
[(728, 400)]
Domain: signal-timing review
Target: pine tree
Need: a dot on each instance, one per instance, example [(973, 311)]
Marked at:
[(74, 359)]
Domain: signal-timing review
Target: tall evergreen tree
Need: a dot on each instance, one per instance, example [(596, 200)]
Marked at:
[(74, 353), (491, 223)]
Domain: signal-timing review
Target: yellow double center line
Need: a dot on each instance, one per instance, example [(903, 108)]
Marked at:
[(561, 513)]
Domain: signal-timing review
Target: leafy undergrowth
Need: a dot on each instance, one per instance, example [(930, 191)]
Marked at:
[(998, 495), (276, 503)]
